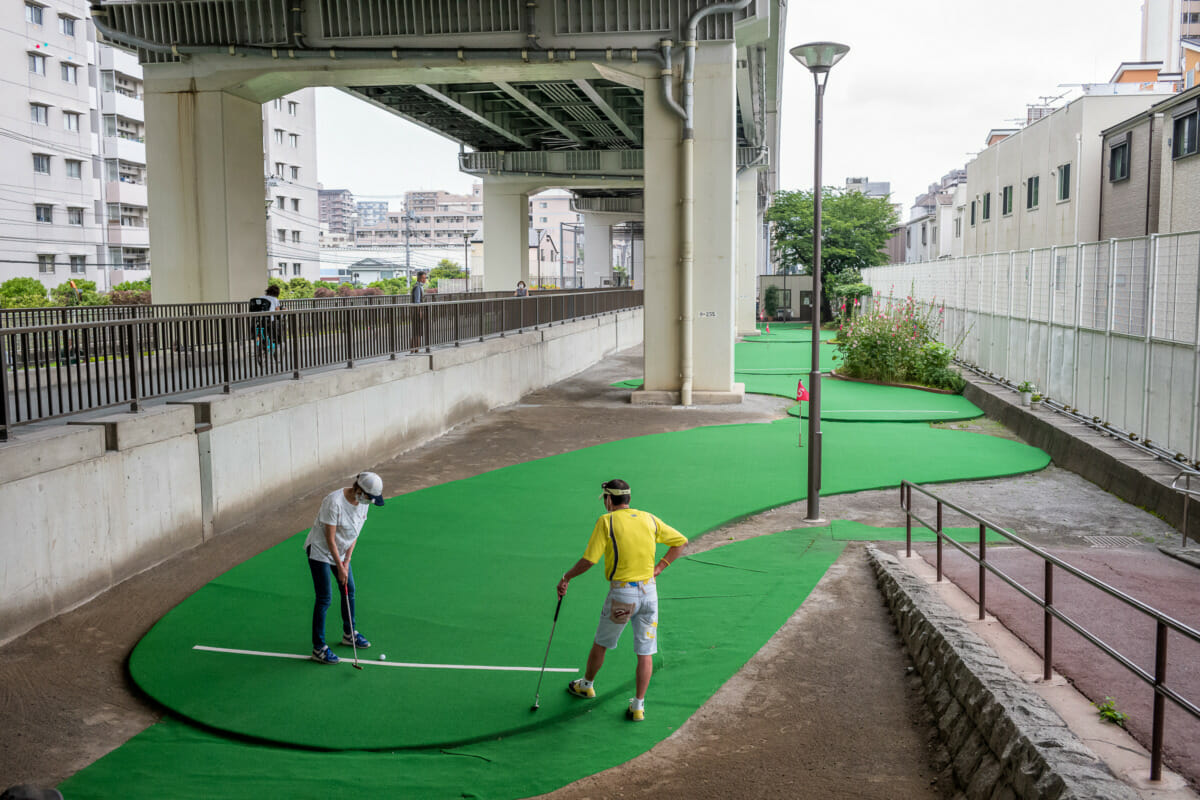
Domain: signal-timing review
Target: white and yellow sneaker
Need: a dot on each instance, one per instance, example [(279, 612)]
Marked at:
[(579, 691)]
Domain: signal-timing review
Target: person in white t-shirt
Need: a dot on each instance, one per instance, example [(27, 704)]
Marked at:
[(329, 546)]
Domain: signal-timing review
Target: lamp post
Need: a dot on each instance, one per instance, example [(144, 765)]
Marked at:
[(818, 58)]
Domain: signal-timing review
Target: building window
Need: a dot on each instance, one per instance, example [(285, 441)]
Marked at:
[(296, 268), (70, 121), (114, 213), (279, 136), (1064, 182), (279, 201), (1118, 162), (987, 206), (33, 13), (296, 237), (44, 212), (295, 173), (70, 73), (39, 114), (295, 204), (924, 233), (66, 26), (1031, 192), (958, 226), (78, 265), (37, 64), (283, 268), (74, 168), (1006, 201), (279, 168), (972, 213), (74, 216), (293, 107), (41, 164), (294, 139), (1184, 142), (281, 234), (278, 103), (908, 237), (46, 264)]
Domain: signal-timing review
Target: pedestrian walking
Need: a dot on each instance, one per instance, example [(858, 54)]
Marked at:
[(626, 538), (417, 296), (330, 546)]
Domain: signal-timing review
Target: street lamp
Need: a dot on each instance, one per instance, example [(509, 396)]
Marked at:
[(819, 58)]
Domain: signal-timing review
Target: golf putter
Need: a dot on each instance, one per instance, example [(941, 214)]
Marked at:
[(537, 698), (353, 633)]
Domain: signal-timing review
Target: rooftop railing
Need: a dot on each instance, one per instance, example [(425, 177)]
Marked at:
[(78, 365)]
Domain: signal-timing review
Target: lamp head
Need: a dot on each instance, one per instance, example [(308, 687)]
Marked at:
[(819, 57)]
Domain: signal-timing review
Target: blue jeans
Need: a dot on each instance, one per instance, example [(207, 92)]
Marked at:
[(323, 576)]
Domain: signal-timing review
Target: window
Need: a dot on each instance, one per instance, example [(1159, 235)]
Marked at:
[(33, 13), (37, 64), (70, 72), (46, 263), (78, 264), (281, 234), (74, 216), (1064, 182), (294, 139), (108, 82), (1184, 142), (295, 173), (1118, 161), (279, 201), (958, 226), (110, 125), (293, 106), (907, 238), (296, 268), (66, 25), (295, 204), (1031, 192), (1006, 200), (278, 103), (70, 121), (114, 213), (41, 164), (924, 234), (44, 212), (543, 219), (987, 206), (279, 136), (279, 168), (296, 236), (547, 205), (972, 213), (282, 267), (74, 168)]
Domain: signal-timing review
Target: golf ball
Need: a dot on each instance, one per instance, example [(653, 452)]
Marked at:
[(382, 657)]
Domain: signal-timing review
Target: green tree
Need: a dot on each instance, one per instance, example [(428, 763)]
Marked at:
[(391, 285), (133, 286), (66, 295), (280, 282), (299, 288), (23, 293), (855, 229), (771, 301), (446, 269)]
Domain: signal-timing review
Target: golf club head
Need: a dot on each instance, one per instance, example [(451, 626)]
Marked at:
[(534, 707), (356, 666)]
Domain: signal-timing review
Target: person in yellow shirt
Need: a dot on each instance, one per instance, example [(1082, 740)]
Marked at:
[(626, 539)]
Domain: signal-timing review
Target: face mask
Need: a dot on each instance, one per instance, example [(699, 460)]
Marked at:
[(361, 498)]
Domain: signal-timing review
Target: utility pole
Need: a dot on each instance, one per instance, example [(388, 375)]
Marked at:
[(408, 219), (467, 257)]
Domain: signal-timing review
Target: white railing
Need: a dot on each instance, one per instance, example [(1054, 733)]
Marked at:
[(1110, 328)]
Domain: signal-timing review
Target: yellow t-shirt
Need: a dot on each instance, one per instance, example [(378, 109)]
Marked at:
[(626, 539)]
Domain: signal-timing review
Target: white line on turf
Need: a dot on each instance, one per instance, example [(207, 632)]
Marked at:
[(384, 663)]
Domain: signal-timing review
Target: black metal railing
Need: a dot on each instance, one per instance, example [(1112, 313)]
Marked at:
[(56, 370), (1164, 624)]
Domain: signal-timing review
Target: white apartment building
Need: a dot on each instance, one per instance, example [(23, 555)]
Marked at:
[(1165, 23), (51, 223), (122, 148), (549, 211), (290, 166), (1040, 186)]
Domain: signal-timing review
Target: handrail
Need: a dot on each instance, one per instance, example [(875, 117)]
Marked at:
[(1163, 622), (1188, 493), (52, 371)]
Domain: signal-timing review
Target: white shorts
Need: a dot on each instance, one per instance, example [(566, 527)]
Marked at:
[(625, 603)]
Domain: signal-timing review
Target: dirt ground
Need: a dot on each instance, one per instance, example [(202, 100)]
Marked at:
[(827, 709)]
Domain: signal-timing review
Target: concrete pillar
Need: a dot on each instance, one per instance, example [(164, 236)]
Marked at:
[(505, 234), (713, 277), (597, 249), (748, 233), (208, 224)]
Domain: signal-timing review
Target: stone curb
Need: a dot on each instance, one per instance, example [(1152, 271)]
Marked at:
[(1188, 555), (1004, 740)]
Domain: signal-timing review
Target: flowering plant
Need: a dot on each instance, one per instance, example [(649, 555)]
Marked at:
[(896, 342)]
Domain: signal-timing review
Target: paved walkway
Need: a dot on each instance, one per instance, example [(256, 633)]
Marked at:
[(825, 709)]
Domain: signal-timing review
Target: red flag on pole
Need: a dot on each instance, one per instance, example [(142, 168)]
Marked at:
[(801, 392)]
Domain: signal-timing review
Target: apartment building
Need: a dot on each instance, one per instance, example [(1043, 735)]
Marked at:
[(53, 220), (438, 217), (290, 164), (337, 210), (371, 212), (550, 210), (1166, 24)]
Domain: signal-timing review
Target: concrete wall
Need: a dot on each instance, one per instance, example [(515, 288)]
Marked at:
[(95, 503)]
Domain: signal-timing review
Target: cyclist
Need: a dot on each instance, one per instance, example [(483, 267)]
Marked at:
[(266, 330)]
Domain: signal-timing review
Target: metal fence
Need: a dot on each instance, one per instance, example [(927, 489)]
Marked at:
[(1164, 624), (55, 370), (1109, 328)]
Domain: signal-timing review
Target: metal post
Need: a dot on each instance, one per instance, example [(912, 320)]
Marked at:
[(814, 375), (1048, 622), (939, 541), (1108, 322), (1160, 679), (1148, 342), (294, 332), (6, 417), (226, 362), (906, 502), (982, 570)]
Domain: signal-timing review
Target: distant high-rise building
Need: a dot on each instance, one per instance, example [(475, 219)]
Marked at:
[(1165, 24), (337, 210), (869, 188), (371, 212), (290, 160)]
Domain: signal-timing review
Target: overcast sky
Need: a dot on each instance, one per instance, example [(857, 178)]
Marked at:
[(915, 97)]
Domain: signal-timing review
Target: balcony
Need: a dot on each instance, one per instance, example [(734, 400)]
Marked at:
[(120, 60), (130, 194), (128, 235), (125, 149), (123, 105)]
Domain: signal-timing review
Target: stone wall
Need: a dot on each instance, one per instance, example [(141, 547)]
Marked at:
[(1004, 740)]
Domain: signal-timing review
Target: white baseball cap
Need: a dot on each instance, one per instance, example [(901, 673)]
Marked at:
[(371, 485)]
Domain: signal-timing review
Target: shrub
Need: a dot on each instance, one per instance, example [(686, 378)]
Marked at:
[(324, 291), (771, 301), (132, 286), (23, 293), (897, 344), (66, 295), (121, 297)]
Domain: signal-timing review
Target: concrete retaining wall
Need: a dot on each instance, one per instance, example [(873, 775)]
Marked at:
[(1005, 741), (92, 503)]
